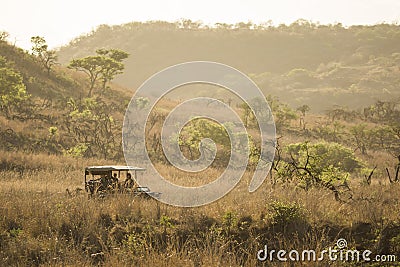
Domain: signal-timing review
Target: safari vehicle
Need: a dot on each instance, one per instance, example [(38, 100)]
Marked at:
[(100, 180)]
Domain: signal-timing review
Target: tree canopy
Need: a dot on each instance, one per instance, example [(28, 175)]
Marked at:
[(47, 58), (104, 66)]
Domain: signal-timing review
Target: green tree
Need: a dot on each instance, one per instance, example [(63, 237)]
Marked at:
[(221, 25), (92, 66), (198, 129), (303, 109), (247, 114), (47, 58), (283, 114), (331, 132), (382, 137), (386, 113), (189, 24), (12, 89), (362, 136), (105, 66), (89, 122), (325, 164), (113, 67), (3, 36)]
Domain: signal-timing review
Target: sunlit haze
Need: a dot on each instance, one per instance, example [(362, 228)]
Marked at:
[(60, 21)]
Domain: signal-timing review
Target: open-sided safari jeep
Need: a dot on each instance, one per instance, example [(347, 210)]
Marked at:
[(100, 180)]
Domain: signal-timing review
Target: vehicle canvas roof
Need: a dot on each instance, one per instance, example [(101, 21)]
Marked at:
[(114, 168)]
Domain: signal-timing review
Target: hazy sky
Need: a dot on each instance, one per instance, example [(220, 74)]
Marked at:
[(60, 21)]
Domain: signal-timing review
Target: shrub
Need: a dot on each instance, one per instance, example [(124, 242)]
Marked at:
[(287, 217), (77, 151), (324, 154)]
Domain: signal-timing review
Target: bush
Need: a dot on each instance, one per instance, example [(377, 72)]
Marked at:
[(324, 154), (77, 151), (284, 213), (287, 217)]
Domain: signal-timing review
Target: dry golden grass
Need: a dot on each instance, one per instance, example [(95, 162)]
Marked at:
[(41, 225)]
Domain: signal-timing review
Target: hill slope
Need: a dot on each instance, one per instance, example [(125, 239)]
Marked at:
[(40, 84), (57, 117), (304, 63)]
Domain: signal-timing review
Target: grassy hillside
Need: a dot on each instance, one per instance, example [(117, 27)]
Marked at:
[(333, 176), (56, 85), (57, 117), (304, 63)]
